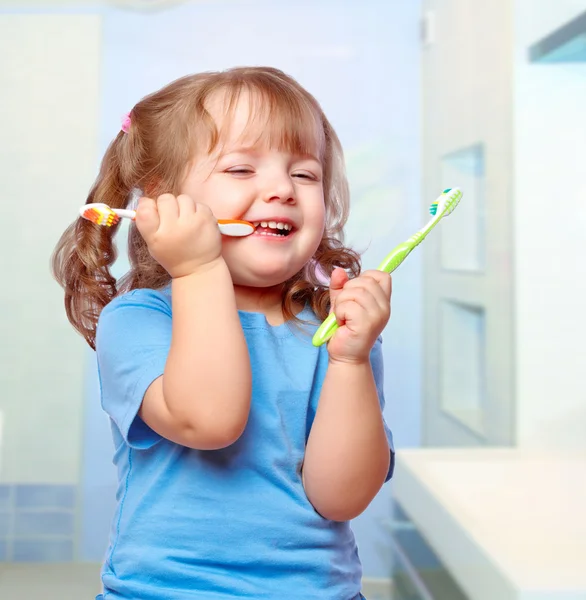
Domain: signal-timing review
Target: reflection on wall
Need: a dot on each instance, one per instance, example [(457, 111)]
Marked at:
[(378, 203)]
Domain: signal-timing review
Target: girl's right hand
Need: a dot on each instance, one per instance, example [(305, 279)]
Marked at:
[(182, 236)]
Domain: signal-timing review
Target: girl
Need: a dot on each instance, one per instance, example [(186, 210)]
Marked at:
[(242, 450)]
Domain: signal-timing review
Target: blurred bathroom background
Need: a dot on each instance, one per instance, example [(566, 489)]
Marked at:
[(484, 354)]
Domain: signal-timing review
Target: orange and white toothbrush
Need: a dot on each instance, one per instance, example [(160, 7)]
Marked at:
[(102, 214)]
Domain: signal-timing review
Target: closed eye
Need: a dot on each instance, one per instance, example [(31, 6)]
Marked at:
[(240, 171), (243, 171), (307, 176)]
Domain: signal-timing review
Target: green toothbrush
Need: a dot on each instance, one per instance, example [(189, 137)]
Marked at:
[(442, 207)]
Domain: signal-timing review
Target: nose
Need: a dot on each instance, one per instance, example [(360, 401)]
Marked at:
[(280, 189)]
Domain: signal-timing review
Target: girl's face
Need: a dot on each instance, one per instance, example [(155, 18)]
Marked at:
[(282, 191)]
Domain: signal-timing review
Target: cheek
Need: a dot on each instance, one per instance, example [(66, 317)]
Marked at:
[(316, 219), (228, 201), (318, 213), (218, 200)]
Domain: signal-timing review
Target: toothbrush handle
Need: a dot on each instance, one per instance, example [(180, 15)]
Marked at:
[(227, 227), (125, 213), (330, 325), (395, 257), (327, 329)]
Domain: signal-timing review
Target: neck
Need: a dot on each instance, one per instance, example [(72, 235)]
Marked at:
[(258, 299), (263, 300)]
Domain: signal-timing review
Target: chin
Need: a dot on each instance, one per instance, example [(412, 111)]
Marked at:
[(259, 282), (261, 271), (265, 278)]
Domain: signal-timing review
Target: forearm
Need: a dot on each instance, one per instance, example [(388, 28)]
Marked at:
[(347, 455), (207, 378)]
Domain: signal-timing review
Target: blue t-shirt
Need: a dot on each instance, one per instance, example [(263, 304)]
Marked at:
[(229, 523)]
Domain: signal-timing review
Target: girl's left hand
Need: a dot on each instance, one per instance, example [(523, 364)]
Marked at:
[(363, 307)]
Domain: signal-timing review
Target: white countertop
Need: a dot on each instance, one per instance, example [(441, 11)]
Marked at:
[(509, 524)]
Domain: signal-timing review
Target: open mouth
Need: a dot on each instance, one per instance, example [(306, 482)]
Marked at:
[(274, 228)]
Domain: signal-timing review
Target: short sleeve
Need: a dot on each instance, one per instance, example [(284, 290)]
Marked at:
[(132, 343), (377, 364)]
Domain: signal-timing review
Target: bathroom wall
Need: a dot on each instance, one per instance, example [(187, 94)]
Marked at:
[(361, 61), (48, 130), (362, 64), (550, 217)]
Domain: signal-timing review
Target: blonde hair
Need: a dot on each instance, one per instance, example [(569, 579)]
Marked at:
[(167, 128)]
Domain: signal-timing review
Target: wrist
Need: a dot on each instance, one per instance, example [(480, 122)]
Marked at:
[(356, 362), (216, 265)]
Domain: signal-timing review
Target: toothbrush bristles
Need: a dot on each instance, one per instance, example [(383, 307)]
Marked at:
[(101, 217), (454, 196)]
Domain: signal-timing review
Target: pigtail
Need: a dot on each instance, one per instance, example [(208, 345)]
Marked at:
[(85, 252)]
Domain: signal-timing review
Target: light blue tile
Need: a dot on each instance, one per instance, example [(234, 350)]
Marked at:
[(5, 521), (45, 496), (4, 551), (6, 497), (51, 522), (40, 550)]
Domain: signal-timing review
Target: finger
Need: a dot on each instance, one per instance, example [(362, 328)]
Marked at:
[(354, 302), (168, 209), (186, 205), (374, 288), (338, 280), (204, 210), (147, 217), (383, 279)]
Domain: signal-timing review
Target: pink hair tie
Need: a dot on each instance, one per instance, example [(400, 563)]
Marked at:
[(126, 123)]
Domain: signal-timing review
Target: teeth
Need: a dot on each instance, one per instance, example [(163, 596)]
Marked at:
[(273, 225)]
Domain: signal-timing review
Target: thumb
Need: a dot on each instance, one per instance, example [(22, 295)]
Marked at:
[(337, 282)]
